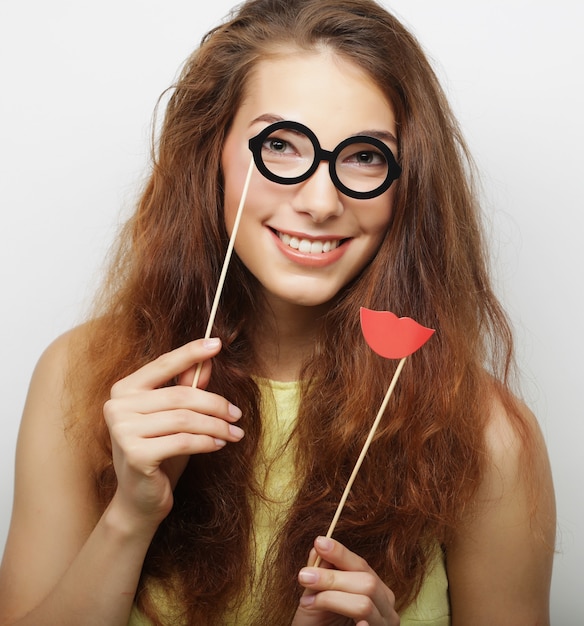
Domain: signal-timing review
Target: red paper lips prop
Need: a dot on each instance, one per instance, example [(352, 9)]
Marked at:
[(391, 336)]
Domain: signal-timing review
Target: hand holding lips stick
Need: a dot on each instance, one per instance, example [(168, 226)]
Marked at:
[(393, 338)]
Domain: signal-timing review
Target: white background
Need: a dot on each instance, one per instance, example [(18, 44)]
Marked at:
[(78, 85)]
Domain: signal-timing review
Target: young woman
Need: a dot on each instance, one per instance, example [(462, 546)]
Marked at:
[(138, 498)]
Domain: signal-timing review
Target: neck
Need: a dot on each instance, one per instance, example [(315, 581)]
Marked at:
[(285, 337)]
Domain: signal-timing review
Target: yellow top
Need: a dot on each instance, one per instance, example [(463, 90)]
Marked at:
[(279, 410)]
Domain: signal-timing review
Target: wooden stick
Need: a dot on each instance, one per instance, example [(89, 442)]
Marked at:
[(363, 453), (225, 266)]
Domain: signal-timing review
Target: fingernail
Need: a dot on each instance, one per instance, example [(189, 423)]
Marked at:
[(211, 344), (234, 411), (324, 543), (220, 443), (306, 601), (308, 577), (236, 431)]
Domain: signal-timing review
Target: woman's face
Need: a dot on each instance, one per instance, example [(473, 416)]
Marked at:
[(304, 242)]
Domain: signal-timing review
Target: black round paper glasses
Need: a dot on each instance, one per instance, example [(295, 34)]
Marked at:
[(288, 153)]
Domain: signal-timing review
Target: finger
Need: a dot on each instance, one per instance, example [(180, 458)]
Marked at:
[(167, 366), (357, 607), (349, 573), (187, 377), (170, 398), (322, 579), (150, 455), (339, 556), (312, 560), (173, 422), (309, 564)]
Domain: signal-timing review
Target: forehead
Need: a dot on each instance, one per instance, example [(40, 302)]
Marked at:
[(324, 91)]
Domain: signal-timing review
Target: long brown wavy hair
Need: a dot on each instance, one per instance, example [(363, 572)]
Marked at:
[(425, 464)]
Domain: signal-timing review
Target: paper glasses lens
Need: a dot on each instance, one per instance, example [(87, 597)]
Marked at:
[(361, 166), (287, 153)]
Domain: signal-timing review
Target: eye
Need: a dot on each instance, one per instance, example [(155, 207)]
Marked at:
[(274, 144), (367, 157)]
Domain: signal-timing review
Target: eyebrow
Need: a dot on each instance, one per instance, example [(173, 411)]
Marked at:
[(270, 118), (383, 135)]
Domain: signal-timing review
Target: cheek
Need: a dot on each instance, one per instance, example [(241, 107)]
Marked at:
[(262, 200), (377, 214), (229, 203), (235, 168), (232, 197)]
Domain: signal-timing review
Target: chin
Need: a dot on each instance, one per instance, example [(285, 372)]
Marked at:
[(318, 299)]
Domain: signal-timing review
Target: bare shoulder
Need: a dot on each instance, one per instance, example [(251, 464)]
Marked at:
[(514, 444), (54, 506), (500, 563), (48, 402), (53, 363)]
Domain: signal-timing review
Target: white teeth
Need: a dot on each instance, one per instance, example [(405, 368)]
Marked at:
[(306, 245)]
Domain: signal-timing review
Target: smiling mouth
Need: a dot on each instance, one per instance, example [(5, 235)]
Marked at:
[(308, 246)]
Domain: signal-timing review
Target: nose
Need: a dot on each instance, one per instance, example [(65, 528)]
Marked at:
[(318, 197)]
